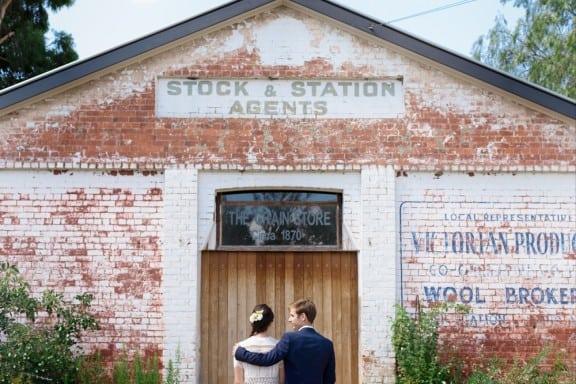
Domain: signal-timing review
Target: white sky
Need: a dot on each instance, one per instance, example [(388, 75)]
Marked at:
[(99, 25)]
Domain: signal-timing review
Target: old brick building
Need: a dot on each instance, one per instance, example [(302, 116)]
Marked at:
[(274, 149)]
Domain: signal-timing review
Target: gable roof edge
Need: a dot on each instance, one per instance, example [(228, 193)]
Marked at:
[(74, 71), (525, 90)]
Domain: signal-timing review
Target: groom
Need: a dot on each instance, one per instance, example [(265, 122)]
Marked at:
[(308, 356)]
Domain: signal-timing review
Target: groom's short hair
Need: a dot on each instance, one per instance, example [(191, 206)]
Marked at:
[(305, 306)]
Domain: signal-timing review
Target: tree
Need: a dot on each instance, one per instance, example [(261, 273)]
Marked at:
[(39, 336), (541, 48), (24, 50)]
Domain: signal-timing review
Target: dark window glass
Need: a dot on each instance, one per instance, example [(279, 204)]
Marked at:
[(279, 218), (275, 196)]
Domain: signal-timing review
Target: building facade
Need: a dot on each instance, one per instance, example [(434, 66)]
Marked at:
[(274, 149)]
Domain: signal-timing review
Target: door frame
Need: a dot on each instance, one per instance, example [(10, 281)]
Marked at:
[(232, 282)]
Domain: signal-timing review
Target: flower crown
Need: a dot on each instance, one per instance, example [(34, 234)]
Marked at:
[(256, 316)]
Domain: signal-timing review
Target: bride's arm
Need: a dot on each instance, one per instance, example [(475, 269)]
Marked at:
[(281, 377), (238, 368), (238, 375)]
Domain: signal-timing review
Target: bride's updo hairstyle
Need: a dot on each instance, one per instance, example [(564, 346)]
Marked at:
[(261, 318)]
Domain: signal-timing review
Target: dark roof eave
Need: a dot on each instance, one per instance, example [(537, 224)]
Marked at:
[(74, 71), (78, 69), (531, 92)]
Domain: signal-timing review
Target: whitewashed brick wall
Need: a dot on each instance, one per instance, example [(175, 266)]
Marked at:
[(210, 182), (378, 274), (181, 275), (369, 217), (503, 244)]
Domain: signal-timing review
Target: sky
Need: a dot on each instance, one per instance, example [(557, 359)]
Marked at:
[(100, 25)]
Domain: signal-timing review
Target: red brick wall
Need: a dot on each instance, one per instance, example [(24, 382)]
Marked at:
[(479, 138), (97, 233), (450, 122)]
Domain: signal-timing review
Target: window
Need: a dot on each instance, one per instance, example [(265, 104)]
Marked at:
[(269, 218)]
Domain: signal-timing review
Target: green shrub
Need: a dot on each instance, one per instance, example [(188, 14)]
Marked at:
[(533, 371), (415, 342), (39, 336), (91, 370), (415, 339), (138, 370), (173, 370)]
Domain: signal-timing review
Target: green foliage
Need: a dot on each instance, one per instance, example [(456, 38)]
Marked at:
[(415, 342), (14, 297), (541, 48), (415, 339), (127, 371), (122, 371), (173, 370), (147, 372), (91, 369), (533, 371), (38, 336), (138, 371), (24, 51)]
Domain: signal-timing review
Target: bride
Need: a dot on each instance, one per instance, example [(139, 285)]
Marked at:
[(259, 341)]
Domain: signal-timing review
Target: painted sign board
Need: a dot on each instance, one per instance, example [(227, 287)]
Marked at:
[(270, 98), (507, 261), (279, 218), (295, 225)]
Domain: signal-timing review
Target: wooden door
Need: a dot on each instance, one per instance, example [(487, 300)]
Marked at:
[(233, 282)]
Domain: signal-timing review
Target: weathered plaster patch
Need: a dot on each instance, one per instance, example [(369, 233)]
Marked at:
[(234, 42), (277, 47), (62, 111), (290, 41)]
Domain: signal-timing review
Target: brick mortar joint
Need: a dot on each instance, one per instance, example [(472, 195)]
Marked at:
[(166, 165)]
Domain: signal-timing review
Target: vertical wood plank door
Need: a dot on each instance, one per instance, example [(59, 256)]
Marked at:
[(232, 283)]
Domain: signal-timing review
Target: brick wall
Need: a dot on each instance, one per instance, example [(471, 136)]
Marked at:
[(92, 232), (180, 275), (503, 245), (129, 195), (379, 274), (450, 122)]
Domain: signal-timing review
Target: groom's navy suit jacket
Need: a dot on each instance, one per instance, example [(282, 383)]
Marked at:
[(308, 357)]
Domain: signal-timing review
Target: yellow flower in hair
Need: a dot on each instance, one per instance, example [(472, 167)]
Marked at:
[(256, 316)]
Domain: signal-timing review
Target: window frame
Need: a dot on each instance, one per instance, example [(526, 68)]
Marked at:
[(221, 203)]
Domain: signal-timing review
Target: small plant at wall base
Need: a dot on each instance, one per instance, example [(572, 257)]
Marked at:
[(532, 371), (173, 371), (38, 335), (91, 369), (415, 339), (137, 370), (415, 342)]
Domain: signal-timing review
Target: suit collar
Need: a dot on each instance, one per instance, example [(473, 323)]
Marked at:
[(306, 327)]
